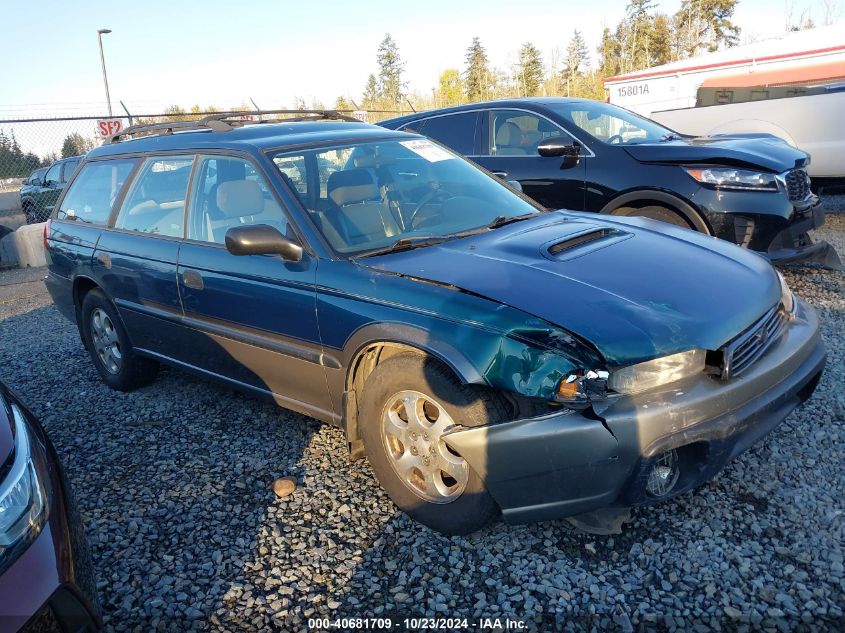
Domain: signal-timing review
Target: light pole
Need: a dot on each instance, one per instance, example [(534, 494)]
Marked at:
[(100, 34)]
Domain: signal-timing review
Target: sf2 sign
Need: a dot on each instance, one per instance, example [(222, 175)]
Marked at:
[(109, 127)]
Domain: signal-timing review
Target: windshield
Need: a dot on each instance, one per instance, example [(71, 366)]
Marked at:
[(612, 124), (369, 196)]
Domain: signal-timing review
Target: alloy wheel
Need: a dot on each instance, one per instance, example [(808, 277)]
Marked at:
[(106, 341), (413, 425)]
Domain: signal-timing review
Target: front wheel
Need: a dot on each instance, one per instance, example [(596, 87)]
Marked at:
[(108, 344), (655, 212), (409, 402)]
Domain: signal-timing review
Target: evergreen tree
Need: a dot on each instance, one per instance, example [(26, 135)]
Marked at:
[(372, 94), (705, 25), (576, 62), (477, 75), (529, 71), (342, 104), (390, 66), (73, 145)]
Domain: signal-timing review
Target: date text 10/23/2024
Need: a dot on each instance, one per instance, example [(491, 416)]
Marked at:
[(416, 624)]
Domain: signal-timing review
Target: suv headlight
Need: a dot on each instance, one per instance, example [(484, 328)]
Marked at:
[(23, 496), (786, 296), (657, 372), (730, 178)]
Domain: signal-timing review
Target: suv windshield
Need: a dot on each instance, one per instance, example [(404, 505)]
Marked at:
[(612, 124), (369, 196)]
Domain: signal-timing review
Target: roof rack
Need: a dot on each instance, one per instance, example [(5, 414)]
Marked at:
[(220, 122)]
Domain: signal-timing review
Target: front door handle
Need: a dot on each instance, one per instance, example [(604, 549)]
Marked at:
[(500, 174), (193, 279)]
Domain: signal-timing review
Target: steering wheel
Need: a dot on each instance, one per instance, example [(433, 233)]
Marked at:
[(616, 139), (426, 199)]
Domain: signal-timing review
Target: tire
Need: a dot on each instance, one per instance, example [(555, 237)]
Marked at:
[(31, 213), (655, 212), (109, 346), (452, 506)]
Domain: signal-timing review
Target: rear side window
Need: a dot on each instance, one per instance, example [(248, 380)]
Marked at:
[(156, 202), (93, 192), (70, 167), (453, 130)]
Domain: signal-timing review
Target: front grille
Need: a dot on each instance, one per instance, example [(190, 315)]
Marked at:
[(745, 349), (797, 184)]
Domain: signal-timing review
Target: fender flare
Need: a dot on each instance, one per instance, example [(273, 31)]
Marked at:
[(412, 336), (689, 212)]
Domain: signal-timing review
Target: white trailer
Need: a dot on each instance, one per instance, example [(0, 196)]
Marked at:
[(814, 123)]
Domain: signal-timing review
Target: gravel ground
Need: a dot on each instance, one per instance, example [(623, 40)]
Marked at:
[(173, 482)]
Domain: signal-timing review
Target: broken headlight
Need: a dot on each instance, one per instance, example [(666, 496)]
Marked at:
[(657, 372), (581, 388), (730, 178)]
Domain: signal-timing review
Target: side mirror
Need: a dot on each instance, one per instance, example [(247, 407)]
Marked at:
[(515, 184), (556, 146), (261, 239)]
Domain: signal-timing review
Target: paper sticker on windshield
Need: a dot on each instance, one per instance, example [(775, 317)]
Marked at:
[(428, 150)]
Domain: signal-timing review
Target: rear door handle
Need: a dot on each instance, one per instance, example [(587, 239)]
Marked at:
[(500, 174), (193, 279)]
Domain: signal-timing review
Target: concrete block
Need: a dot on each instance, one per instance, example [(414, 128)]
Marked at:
[(29, 242)]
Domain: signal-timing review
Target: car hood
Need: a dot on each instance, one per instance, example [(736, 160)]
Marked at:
[(635, 288), (749, 150)]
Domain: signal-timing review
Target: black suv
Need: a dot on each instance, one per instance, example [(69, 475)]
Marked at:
[(40, 192), (582, 154)]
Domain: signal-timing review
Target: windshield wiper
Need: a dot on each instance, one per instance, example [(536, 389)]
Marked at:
[(502, 220), (406, 244)]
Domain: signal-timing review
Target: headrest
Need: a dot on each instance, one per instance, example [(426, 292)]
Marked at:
[(351, 185), (508, 134), (364, 160), (237, 198)]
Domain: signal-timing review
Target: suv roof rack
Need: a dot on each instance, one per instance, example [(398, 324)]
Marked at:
[(220, 122)]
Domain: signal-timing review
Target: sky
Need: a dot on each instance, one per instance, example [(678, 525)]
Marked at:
[(225, 53)]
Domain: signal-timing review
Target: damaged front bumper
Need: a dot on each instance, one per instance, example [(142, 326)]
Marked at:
[(794, 245), (569, 462)]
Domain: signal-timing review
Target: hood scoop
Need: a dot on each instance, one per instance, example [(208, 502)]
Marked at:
[(582, 243)]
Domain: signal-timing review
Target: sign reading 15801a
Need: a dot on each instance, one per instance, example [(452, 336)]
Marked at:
[(109, 127), (632, 90)]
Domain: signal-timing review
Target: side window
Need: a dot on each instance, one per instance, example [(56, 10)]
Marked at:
[(156, 202), (453, 130), (293, 173), (92, 195), (54, 174), (230, 192), (69, 167), (518, 133)]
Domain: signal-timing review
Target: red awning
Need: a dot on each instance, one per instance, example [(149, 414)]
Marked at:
[(812, 74)]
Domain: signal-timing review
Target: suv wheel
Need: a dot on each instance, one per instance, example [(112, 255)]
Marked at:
[(655, 212), (31, 212), (409, 402), (109, 347)]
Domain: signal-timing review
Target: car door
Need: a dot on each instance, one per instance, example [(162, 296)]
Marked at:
[(458, 131), (135, 260), (46, 195), (509, 143), (252, 317)]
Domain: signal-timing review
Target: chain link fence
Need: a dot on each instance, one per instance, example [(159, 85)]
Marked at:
[(28, 147)]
